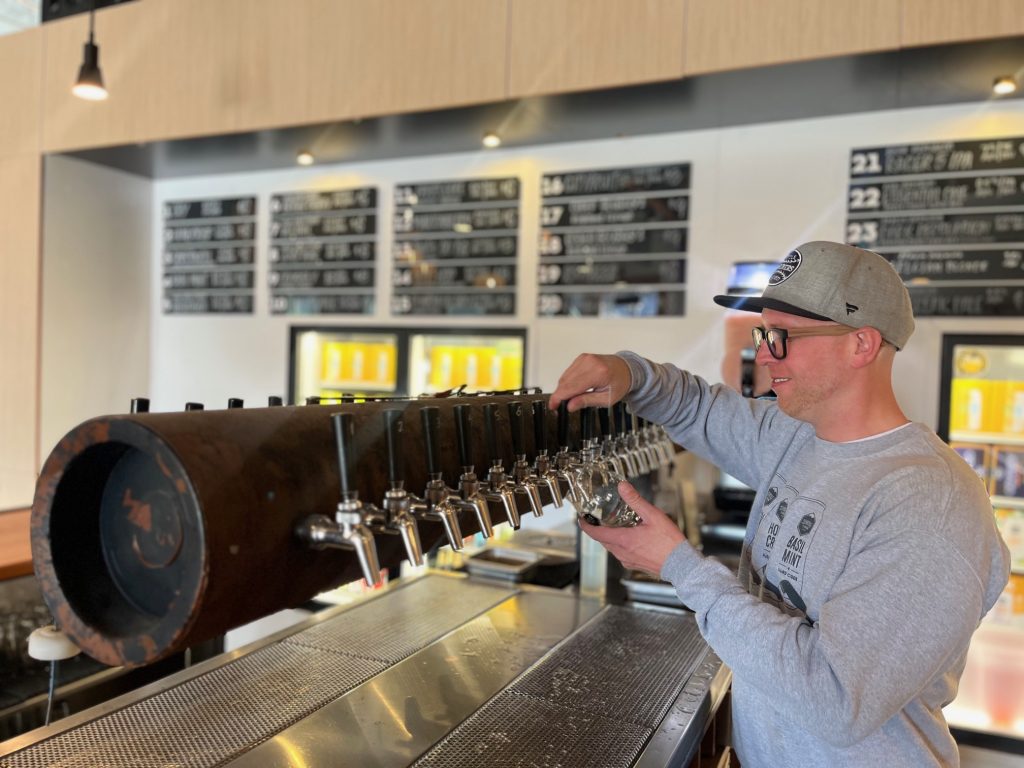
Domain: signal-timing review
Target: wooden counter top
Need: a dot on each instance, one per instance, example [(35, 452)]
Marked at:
[(15, 549)]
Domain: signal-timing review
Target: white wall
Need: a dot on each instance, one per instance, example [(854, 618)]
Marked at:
[(757, 191), (95, 310)]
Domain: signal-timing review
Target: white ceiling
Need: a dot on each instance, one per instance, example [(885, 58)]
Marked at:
[(16, 15)]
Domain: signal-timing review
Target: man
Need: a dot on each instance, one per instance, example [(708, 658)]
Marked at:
[(871, 553)]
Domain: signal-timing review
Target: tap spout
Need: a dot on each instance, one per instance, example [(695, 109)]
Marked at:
[(437, 505), (396, 518), (550, 481), (503, 495), (478, 505), (410, 534), (347, 531)]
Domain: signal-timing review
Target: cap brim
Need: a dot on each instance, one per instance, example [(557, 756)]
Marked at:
[(759, 303)]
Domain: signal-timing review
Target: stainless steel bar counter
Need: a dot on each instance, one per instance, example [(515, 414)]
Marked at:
[(437, 670)]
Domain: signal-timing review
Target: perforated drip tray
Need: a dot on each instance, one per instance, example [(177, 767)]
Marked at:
[(209, 719), (440, 671), (514, 730), (594, 701)]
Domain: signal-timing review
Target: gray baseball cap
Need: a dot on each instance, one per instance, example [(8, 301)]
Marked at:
[(832, 281)]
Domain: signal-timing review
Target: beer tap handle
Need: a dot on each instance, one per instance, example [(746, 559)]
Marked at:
[(235, 402), (586, 425), (343, 435), (515, 421), (463, 434), (490, 432), (604, 421), (563, 424), (274, 401), (393, 435), (540, 441), (619, 410), (431, 435), (396, 501), (140, 405), (626, 418)]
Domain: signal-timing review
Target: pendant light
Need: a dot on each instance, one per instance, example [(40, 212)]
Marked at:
[(89, 85)]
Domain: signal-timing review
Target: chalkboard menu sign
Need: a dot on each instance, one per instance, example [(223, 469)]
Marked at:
[(950, 218), (455, 247), (613, 242), (208, 257), (323, 248)]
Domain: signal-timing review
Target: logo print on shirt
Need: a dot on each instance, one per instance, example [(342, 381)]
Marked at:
[(790, 566), (780, 495), (793, 596), (780, 512), (775, 573)]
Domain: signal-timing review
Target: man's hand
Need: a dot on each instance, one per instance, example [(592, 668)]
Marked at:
[(592, 380), (644, 547)]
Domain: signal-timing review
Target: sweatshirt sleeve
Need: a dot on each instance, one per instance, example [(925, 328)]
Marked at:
[(713, 421), (901, 613)]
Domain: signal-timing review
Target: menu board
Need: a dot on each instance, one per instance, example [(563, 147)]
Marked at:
[(455, 247), (208, 257), (613, 242), (950, 218), (323, 248)]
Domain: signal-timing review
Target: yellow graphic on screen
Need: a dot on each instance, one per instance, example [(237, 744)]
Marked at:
[(479, 368), (353, 365), (971, 362)]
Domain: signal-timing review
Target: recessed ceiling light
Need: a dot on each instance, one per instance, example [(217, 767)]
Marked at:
[(491, 140), (304, 157), (1003, 86)]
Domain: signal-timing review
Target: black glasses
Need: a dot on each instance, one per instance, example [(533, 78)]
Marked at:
[(777, 337)]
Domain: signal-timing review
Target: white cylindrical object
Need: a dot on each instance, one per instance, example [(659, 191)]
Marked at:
[(50, 644)]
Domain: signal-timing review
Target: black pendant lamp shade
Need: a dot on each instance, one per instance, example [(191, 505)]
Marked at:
[(90, 80)]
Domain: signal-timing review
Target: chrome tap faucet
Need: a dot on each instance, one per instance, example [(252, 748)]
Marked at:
[(469, 485), (625, 442), (644, 445), (543, 468), (348, 530), (523, 479), (498, 488), (438, 502), (607, 450), (394, 516), (566, 460)]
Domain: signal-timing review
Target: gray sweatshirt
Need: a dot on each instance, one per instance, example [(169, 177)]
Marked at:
[(866, 567)]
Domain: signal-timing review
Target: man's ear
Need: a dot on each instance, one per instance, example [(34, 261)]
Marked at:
[(868, 342)]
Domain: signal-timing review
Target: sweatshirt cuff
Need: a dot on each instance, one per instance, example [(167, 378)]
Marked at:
[(698, 580), (635, 363), (679, 563)]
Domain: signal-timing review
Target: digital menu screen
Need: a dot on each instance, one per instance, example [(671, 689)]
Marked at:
[(323, 248), (456, 247), (614, 241), (950, 218), (209, 256)]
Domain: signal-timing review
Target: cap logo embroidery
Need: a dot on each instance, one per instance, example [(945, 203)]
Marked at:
[(851, 308), (787, 267)]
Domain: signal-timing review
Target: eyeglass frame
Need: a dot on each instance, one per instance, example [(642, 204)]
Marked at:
[(760, 335)]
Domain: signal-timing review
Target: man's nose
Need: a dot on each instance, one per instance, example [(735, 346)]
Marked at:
[(763, 356)]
